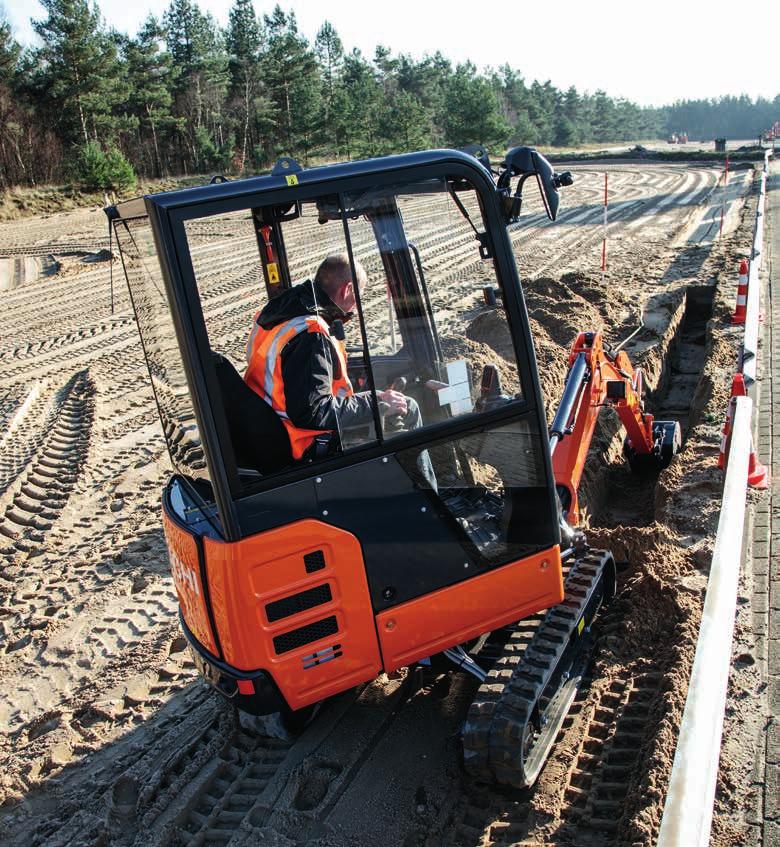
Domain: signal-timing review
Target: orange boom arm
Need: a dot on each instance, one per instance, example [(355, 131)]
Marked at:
[(597, 378)]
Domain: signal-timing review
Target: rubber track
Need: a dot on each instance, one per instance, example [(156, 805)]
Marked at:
[(612, 726), (497, 719)]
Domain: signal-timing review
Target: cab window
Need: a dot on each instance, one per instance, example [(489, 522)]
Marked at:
[(161, 349), (355, 318)]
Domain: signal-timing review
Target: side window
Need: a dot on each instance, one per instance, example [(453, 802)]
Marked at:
[(225, 260), (163, 357), (282, 346)]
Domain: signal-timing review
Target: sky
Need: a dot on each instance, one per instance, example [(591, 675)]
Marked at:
[(652, 52)]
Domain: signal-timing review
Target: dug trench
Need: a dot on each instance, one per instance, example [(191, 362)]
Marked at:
[(603, 784)]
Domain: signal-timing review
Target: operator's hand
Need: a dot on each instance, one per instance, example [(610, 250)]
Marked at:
[(395, 401)]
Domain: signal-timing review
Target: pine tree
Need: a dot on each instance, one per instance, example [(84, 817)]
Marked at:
[(473, 113), (293, 82), (330, 55), (427, 80), (357, 107), (244, 39), (9, 54), (197, 49), (79, 70), (405, 125), (150, 100), (569, 125), (12, 164), (514, 101), (604, 117)]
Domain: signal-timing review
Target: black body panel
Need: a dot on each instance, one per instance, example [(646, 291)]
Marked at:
[(266, 698)]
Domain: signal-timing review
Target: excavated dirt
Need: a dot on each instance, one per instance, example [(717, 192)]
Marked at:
[(108, 735)]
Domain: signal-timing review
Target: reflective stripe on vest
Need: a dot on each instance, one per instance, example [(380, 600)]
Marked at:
[(264, 373)]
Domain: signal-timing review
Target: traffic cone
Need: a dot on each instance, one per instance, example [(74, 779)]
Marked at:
[(742, 291), (758, 474), (724, 438), (738, 389)]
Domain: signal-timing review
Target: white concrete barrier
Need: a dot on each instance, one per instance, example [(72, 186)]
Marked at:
[(750, 344), (687, 816)]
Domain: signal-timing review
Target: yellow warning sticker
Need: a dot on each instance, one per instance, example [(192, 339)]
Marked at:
[(292, 179), (273, 273), (580, 626)]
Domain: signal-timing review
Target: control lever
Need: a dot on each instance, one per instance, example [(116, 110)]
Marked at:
[(394, 423), (490, 390)]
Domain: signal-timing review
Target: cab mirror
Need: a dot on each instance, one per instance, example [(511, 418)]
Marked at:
[(545, 178), (525, 162)]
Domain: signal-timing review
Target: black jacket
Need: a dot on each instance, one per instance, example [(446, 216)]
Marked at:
[(309, 363)]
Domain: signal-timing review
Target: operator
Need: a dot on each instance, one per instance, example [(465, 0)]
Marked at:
[(300, 369)]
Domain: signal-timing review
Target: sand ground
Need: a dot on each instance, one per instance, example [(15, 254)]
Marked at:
[(109, 737)]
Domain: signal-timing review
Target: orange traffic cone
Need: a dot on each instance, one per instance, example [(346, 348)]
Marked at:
[(742, 292), (724, 438), (738, 389), (758, 474)]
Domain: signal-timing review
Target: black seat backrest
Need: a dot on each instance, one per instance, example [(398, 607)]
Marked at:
[(260, 441)]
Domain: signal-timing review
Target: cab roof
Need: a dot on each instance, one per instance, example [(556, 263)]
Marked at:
[(287, 172)]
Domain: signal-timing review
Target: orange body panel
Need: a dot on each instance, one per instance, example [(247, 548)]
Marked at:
[(185, 570), (246, 576), (430, 624)]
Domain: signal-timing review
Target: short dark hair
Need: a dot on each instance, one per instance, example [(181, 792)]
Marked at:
[(335, 270)]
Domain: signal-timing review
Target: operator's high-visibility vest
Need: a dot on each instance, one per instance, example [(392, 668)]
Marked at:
[(264, 373)]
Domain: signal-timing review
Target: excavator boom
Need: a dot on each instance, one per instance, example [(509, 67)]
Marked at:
[(599, 378)]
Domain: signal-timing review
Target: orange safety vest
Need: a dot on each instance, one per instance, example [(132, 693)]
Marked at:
[(264, 373)]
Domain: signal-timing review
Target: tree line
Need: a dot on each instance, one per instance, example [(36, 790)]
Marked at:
[(187, 96)]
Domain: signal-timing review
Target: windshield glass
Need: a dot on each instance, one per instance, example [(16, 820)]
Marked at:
[(431, 335)]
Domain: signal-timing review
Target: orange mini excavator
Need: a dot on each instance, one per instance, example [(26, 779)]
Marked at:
[(299, 579)]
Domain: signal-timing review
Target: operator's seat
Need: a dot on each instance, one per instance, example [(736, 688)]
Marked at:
[(260, 441)]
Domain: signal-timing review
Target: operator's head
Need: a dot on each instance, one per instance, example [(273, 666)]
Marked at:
[(334, 276)]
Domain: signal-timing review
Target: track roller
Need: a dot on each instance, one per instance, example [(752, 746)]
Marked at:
[(518, 710)]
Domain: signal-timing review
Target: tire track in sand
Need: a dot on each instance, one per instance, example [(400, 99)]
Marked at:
[(41, 492)]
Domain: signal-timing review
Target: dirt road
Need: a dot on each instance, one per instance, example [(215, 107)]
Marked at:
[(108, 736)]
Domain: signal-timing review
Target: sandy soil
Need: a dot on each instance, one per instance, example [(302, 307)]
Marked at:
[(108, 736)]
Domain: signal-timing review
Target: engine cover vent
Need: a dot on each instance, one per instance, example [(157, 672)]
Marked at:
[(296, 603), (314, 561), (305, 634)]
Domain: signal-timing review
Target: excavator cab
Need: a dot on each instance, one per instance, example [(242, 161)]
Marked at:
[(300, 578)]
